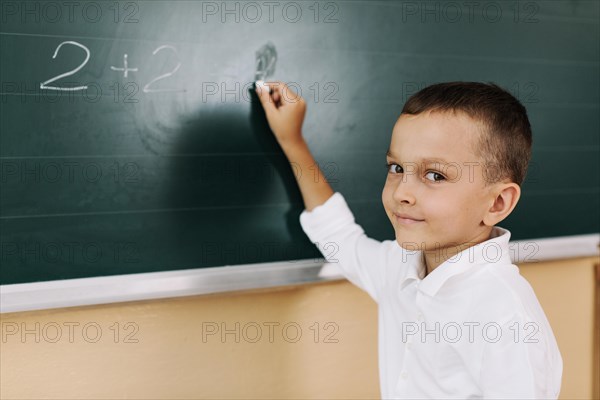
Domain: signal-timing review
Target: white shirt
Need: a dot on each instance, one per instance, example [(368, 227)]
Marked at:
[(473, 328)]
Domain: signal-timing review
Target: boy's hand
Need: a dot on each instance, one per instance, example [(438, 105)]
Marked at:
[(285, 111), (285, 114)]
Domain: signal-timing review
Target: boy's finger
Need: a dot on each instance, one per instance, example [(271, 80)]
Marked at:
[(277, 86), (274, 84), (287, 94), (276, 96), (265, 98)]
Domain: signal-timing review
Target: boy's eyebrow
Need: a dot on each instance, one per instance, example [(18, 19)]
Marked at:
[(431, 160)]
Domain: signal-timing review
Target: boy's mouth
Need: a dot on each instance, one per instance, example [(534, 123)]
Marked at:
[(406, 219)]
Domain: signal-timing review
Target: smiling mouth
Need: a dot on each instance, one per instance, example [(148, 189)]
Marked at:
[(407, 221)]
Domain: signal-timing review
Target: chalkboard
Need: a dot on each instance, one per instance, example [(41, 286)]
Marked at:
[(131, 141)]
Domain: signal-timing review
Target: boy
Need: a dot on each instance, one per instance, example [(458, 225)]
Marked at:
[(456, 319)]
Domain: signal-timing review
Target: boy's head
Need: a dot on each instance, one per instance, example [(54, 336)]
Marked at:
[(479, 139)]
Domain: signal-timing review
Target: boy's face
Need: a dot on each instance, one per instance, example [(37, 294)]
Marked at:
[(448, 197)]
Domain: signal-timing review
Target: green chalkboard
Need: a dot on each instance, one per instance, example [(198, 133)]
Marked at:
[(131, 142)]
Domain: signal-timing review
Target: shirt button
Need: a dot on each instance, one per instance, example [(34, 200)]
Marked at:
[(420, 317), (404, 375)]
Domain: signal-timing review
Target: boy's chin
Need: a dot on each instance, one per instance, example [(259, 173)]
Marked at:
[(415, 242), (410, 242)]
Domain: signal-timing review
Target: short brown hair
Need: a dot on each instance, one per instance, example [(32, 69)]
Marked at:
[(505, 142)]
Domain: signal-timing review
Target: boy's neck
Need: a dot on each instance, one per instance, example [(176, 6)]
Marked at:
[(435, 258)]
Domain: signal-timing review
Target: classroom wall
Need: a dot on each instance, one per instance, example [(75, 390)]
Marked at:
[(175, 355)]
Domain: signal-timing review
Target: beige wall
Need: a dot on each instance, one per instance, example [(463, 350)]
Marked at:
[(172, 359), (566, 290)]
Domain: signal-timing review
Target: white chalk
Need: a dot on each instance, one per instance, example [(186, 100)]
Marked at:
[(262, 84)]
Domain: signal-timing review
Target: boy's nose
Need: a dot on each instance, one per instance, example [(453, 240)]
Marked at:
[(405, 190)]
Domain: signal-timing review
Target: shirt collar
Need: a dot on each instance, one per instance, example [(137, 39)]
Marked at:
[(495, 250)]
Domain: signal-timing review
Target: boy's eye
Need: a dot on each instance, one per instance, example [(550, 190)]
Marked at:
[(436, 176), (393, 168)]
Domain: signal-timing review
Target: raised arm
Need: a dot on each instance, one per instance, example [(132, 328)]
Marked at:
[(285, 113), (331, 227)]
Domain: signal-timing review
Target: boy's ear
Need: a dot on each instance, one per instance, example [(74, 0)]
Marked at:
[(506, 197)]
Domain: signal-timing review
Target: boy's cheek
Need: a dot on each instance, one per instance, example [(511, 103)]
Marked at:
[(388, 203), (385, 197)]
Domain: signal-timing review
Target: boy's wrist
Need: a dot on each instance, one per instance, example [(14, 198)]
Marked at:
[(292, 143)]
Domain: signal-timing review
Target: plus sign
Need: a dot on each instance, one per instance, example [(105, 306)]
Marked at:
[(125, 69)]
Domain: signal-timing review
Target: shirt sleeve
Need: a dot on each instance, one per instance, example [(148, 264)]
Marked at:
[(362, 260), (517, 362)]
